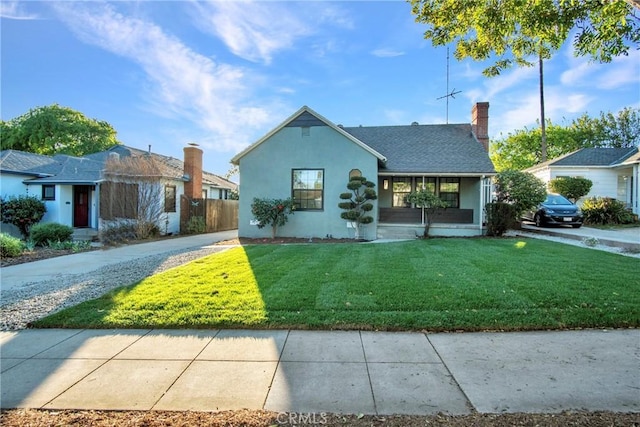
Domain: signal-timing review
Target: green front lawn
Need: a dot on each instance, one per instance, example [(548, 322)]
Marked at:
[(435, 284)]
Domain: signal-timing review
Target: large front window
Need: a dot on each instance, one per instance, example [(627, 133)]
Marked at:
[(307, 189)]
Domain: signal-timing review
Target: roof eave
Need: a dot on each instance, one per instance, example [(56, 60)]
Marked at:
[(236, 159)]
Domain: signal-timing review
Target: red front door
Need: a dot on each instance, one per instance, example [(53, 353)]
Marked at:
[(81, 205)]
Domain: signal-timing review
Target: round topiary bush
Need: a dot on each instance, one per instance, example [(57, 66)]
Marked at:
[(41, 234)]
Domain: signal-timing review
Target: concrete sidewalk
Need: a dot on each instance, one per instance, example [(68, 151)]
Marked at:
[(321, 371), (625, 238), (21, 274)]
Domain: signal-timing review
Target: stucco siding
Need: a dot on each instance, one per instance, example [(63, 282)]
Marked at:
[(470, 196), (266, 171), (605, 181)]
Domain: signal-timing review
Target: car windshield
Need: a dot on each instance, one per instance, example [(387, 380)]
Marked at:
[(556, 199)]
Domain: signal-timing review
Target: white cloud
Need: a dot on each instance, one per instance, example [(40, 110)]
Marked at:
[(15, 10), (184, 84), (386, 53), (621, 71), (523, 110), (252, 30)]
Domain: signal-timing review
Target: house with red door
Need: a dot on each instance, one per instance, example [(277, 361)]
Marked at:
[(76, 191)]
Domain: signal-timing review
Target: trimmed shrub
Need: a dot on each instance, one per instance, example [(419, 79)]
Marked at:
[(521, 189), (570, 187), (41, 234), (22, 211), (500, 218), (9, 246), (272, 212), (605, 210)]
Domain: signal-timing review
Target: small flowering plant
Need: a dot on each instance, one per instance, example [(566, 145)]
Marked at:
[(273, 212)]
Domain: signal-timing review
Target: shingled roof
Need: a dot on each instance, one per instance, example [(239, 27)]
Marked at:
[(63, 169), (595, 157), (20, 162), (430, 149), (601, 156)]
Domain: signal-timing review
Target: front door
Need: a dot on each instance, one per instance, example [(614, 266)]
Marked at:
[(81, 199)]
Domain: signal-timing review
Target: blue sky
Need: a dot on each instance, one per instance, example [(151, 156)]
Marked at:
[(223, 74)]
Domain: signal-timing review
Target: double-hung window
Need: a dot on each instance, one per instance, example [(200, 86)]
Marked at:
[(401, 189), (450, 191), (307, 189)]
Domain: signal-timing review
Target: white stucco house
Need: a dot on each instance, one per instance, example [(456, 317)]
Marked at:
[(613, 171), (75, 190)]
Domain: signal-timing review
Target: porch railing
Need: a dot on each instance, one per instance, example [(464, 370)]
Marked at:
[(414, 216)]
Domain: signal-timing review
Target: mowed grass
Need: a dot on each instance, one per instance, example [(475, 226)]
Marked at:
[(435, 284)]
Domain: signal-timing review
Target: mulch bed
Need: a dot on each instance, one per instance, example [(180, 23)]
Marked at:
[(257, 418), (284, 241)]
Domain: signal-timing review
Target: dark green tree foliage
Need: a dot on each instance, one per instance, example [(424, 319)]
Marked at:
[(520, 189), (273, 212), (430, 203), (57, 130), (514, 31), (570, 187), (357, 204), (22, 211), (521, 149)]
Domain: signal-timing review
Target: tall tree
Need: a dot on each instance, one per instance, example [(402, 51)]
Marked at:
[(521, 149), (57, 130), (514, 31)]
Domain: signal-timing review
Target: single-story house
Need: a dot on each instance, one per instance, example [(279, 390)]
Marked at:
[(75, 189), (310, 159), (613, 171)]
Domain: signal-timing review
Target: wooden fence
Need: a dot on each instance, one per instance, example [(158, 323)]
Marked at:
[(218, 215)]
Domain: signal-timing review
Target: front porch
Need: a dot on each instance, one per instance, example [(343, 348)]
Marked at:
[(465, 195)]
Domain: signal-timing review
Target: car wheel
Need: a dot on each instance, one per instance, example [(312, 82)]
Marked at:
[(538, 220), (577, 225)]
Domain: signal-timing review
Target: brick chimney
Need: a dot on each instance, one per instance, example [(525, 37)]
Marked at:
[(193, 169), (480, 123)]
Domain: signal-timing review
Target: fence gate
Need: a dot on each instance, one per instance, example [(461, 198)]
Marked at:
[(217, 215)]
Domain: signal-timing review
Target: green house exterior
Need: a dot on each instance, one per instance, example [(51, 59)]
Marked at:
[(310, 159)]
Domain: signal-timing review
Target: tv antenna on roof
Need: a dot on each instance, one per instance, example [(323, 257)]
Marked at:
[(453, 92)]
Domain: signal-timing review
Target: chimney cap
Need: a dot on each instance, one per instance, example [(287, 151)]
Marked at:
[(193, 144)]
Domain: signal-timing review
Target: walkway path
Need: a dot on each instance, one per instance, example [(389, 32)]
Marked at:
[(21, 274)]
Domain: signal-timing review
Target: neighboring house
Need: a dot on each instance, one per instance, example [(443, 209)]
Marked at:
[(309, 158), (74, 189), (613, 171)]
